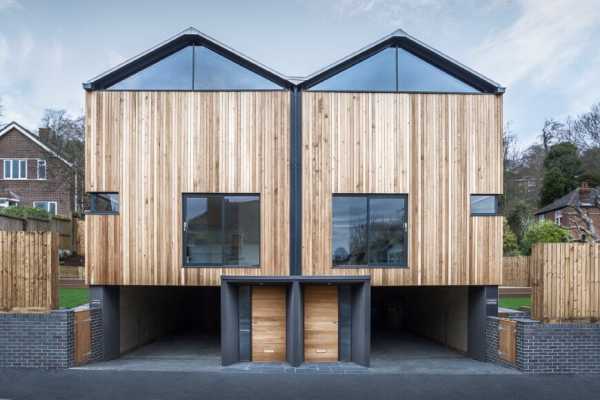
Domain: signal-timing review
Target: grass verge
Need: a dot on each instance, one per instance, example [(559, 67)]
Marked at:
[(73, 297), (515, 302)]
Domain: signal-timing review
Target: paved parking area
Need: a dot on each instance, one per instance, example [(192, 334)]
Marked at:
[(400, 354)]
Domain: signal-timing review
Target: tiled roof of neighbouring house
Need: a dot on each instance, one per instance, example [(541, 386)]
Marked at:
[(571, 200)]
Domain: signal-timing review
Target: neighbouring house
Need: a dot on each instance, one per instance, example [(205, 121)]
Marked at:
[(32, 174), (279, 219), (577, 211)]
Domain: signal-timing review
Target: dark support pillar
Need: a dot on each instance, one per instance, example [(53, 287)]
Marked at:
[(345, 323), (245, 322), (295, 325), (109, 299), (483, 303), (230, 350), (296, 183), (361, 323)]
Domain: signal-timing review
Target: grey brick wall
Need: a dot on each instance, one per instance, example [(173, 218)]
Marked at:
[(40, 340), (551, 348), (97, 331)]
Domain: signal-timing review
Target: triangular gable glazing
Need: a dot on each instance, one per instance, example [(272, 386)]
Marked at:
[(195, 68), (394, 69)]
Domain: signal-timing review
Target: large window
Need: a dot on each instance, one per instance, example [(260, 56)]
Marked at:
[(195, 68), (485, 204), (49, 206), (104, 203), (394, 69), (370, 230), (221, 230), (15, 169)]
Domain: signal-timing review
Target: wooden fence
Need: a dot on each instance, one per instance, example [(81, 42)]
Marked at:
[(28, 271), (515, 271), (565, 280), (65, 227), (79, 233)]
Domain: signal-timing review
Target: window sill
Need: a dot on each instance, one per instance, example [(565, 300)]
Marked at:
[(88, 212), (370, 266), (220, 266)]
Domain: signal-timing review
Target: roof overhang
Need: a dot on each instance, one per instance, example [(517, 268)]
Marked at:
[(33, 138), (190, 36), (402, 39)]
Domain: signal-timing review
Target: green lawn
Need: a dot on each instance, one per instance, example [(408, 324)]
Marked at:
[(515, 302), (72, 297)]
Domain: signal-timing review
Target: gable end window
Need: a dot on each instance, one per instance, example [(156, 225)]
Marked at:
[(485, 204), (15, 169), (221, 230), (104, 203), (370, 231), (41, 169)]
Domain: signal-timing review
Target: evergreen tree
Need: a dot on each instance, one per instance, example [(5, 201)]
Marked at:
[(562, 170)]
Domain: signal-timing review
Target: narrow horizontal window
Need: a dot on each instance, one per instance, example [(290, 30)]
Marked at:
[(370, 230), (104, 203), (49, 206), (485, 204), (221, 230)]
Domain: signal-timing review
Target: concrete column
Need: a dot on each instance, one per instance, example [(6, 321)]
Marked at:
[(345, 323), (361, 324), (295, 325), (230, 350), (108, 297)]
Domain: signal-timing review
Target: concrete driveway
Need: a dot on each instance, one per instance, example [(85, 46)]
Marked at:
[(131, 385)]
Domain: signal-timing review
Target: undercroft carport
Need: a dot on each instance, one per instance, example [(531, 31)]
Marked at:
[(421, 325), (165, 324)]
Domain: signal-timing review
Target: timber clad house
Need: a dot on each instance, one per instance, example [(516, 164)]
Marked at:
[(32, 174), (297, 220)]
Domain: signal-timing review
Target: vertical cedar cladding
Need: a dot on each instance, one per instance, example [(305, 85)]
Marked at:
[(151, 147), (437, 148)]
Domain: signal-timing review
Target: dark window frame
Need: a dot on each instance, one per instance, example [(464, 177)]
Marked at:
[(368, 197), (184, 261), (498, 205), (92, 210)]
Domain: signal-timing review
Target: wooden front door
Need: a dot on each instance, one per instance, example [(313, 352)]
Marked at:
[(320, 323), (268, 323), (83, 337)]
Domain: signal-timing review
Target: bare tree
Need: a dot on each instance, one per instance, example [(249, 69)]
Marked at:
[(585, 225), (66, 136), (551, 132)]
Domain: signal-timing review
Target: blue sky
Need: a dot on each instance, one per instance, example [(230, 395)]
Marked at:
[(543, 51)]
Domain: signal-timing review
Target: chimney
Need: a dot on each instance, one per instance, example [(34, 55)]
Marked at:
[(584, 193), (43, 134)]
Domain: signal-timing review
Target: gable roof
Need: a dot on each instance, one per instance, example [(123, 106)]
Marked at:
[(571, 199), (34, 138), (190, 36), (402, 39)]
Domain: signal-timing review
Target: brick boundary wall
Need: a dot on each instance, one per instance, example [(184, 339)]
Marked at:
[(565, 348), (45, 340)]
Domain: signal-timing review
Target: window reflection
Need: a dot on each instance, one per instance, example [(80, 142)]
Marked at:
[(212, 71), (376, 73), (369, 230), (173, 72), (484, 204)]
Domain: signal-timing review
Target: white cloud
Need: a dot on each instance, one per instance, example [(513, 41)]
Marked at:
[(9, 4), (541, 43)]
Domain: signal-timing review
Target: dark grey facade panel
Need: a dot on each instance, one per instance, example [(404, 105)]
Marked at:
[(245, 322), (230, 345), (109, 299), (345, 323)]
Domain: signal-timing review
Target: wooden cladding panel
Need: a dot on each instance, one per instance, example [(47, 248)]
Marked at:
[(321, 315), (438, 148), (269, 323), (153, 146), (83, 337)]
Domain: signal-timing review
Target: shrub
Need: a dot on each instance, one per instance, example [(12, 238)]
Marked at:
[(25, 212), (510, 244), (543, 232)]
